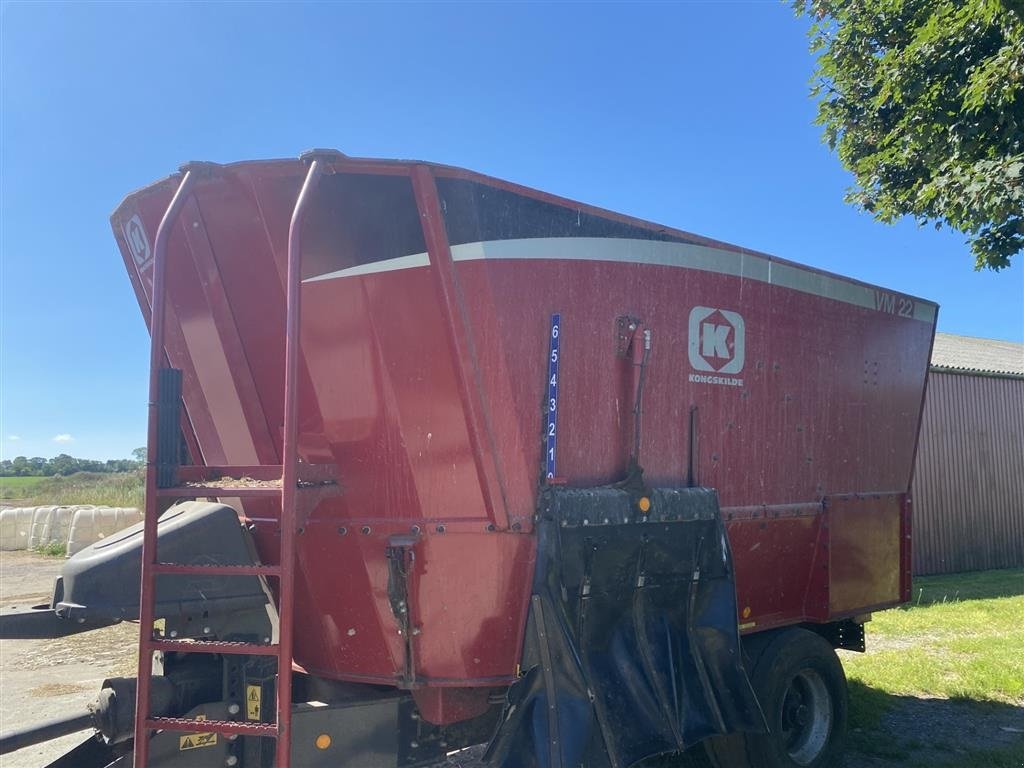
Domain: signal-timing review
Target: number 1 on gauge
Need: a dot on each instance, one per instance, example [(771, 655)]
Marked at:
[(551, 431)]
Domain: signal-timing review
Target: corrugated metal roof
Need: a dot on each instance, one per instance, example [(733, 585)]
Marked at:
[(968, 354)]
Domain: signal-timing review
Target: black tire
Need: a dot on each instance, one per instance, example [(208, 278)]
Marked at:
[(802, 689)]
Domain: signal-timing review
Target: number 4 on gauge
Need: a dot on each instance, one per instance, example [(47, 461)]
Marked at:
[(551, 432)]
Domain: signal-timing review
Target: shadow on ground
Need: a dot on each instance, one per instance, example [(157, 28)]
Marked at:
[(888, 730)]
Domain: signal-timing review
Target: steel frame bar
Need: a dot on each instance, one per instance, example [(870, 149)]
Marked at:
[(290, 460), (199, 245), (206, 726), (216, 570), (197, 419), (149, 531), (202, 646), (218, 492), (463, 357)]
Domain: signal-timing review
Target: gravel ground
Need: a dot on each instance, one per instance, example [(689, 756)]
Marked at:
[(50, 678), (44, 679), (936, 731)]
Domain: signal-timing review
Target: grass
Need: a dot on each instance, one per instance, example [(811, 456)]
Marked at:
[(54, 549), (119, 489), (961, 640), (18, 487), (957, 587)]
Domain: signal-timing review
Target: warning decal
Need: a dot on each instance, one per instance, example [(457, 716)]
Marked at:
[(253, 695), (196, 740)]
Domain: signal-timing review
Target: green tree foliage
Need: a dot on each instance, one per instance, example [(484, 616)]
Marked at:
[(924, 102), (63, 464)]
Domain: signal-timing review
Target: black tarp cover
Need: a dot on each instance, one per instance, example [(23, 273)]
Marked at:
[(632, 644)]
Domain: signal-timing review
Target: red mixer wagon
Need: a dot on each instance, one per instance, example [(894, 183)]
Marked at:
[(482, 464)]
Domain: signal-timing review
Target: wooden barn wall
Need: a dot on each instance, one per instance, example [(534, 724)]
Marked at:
[(968, 491)]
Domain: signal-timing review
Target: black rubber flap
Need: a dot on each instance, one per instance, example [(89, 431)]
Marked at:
[(632, 645)]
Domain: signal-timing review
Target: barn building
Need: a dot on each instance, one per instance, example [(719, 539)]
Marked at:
[(968, 490)]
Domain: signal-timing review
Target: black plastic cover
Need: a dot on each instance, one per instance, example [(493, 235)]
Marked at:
[(632, 644), (102, 581)]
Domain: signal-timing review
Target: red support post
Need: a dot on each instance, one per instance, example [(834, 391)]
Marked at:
[(149, 538), (290, 460), (463, 357)]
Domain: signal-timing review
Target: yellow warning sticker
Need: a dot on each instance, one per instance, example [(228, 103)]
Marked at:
[(196, 740), (160, 627), (253, 695)]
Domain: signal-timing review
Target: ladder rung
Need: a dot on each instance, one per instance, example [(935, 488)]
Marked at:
[(213, 646), (217, 570), (212, 726), (196, 491)]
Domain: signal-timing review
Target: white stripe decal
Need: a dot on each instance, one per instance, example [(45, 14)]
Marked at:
[(387, 265), (657, 252)]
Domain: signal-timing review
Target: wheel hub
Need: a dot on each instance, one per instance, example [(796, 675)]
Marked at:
[(806, 717)]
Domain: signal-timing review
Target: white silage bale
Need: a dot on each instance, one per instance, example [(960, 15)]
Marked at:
[(55, 530), (40, 523), (77, 512), (92, 525), (129, 516), (8, 527), (117, 519), (25, 520), (84, 529), (15, 527)]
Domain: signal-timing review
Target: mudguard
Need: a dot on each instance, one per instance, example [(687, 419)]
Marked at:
[(632, 645)]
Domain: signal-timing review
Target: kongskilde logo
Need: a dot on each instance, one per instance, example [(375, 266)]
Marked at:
[(137, 241), (716, 345)]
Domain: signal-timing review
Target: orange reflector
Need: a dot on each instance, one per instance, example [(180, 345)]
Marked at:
[(644, 504), (323, 741)]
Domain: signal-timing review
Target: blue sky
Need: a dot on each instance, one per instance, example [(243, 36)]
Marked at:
[(694, 115)]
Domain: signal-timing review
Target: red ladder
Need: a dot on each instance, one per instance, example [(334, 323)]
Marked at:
[(196, 482)]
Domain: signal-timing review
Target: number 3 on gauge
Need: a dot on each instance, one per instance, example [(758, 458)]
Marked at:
[(552, 410)]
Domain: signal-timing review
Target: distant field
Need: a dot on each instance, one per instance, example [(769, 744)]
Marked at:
[(18, 487), (118, 489)]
